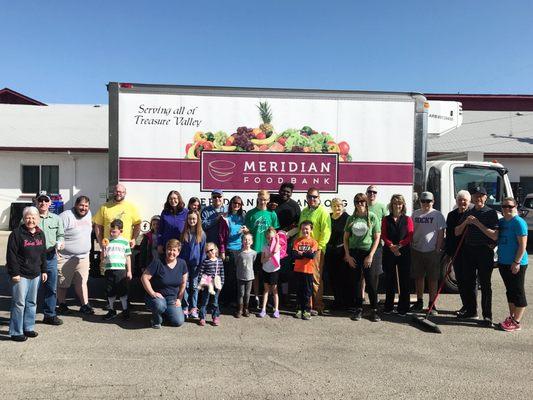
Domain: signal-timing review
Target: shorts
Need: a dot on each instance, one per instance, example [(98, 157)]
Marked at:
[(425, 265), (271, 278), (72, 270), (116, 283)]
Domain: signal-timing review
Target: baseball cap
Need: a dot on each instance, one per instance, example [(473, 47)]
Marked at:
[(479, 189), (42, 194), (217, 192), (426, 196)]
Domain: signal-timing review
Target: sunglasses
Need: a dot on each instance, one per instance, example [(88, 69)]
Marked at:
[(43, 201), (209, 250), (426, 201), (236, 203), (371, 192), (311, 196), (508, 206)]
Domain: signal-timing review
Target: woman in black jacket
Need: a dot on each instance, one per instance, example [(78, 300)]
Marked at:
[(26, 264)]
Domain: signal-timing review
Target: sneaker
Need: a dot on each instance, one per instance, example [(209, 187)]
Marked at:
[(52, 320), (62, 309), (487, 321), (193, 314), (262, 314), (31, 334), (110, 315), (510, 325), (216, 321), (314, 313), (154, 325), (306, 316), (417, 307), (246, 312), (374, 317), (402, 313), (276, 314), (186, 313), (357, 315), (467, 315), (434, 312), (125, 314), (201, 322), (19, 338), (298, 314), (388, 311), (86, 309), (462, 310)]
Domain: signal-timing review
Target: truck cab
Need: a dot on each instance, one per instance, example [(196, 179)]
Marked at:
[(445, 178)]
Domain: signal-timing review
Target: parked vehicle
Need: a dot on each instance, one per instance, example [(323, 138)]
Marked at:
[(526, 211)]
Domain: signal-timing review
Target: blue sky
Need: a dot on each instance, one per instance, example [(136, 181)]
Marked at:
[(66, 51)]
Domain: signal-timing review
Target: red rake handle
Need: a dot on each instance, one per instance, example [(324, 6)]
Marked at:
[(448, 270)]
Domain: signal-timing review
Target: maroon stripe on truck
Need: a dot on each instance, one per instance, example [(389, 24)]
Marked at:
[(181, 170)]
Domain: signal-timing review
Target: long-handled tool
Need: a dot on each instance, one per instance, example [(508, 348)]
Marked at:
[(424, 321)]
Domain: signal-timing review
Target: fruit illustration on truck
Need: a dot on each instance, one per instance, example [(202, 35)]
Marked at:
[(264, 138)]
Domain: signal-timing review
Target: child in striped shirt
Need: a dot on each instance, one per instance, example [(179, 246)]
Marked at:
[(117, 264), (211, 281)]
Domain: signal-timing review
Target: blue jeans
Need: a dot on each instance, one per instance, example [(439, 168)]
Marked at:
[(190, 296), (204, 301), (23, 306), (50, 286), (167, 307)]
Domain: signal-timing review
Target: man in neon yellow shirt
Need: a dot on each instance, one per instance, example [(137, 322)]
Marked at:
[(118, 208), (319, 216)]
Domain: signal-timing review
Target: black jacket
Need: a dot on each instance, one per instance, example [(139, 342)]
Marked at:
[(26, 253)]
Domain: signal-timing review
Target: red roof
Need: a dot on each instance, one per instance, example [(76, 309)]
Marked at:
[(8, 96), (488, 102)]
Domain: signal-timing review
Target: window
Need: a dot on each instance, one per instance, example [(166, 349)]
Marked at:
[(467, 178), (40, 177), (433, 186)]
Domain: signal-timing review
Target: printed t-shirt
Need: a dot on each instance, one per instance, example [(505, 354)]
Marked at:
[(362, 230), (166, 280), (507, 240), (116, 252), (258, 221), (306, 245), (125, 211), (427, 226)]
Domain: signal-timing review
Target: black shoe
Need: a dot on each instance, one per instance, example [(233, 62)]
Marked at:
[(357, 315), (417, 307), (86, 309), (388, 311), (110, 315), (374, 317), (31, 334), (487, 321), (467, 315), (62, 309), (52, 320), (462, 310), (125, 314), (402, 313), (19, 338), (434, 312)]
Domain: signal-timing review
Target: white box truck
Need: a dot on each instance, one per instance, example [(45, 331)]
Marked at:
[(197, 139)]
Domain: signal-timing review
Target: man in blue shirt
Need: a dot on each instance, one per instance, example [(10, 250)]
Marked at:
[(211, 216)]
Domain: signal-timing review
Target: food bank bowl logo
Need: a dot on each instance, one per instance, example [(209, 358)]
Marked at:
[(221, 170), (251, 171)]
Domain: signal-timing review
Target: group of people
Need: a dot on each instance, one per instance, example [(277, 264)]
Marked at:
[(193, 259)]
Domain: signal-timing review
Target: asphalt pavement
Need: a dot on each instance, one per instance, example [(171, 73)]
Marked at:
[(329, 357)]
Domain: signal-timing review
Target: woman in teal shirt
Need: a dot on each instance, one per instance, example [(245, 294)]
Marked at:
[(361, 239), (512, 262)]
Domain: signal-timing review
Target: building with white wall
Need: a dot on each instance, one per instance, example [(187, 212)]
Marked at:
[(58, 148)]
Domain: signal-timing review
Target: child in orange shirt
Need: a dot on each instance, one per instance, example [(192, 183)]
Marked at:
[(303, 251)]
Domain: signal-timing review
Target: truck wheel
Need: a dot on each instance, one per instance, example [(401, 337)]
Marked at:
[(451, 283)]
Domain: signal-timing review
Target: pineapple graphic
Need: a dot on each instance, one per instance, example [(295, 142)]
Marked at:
[(266, 117)]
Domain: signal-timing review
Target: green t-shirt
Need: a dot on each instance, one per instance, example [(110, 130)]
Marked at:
[(258, 221), (361, 232), (380, 210), (116, 252)]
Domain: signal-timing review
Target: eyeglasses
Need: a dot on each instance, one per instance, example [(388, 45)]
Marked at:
[(360, 202), (371, 192), (508, 206), (236, 203), (312, 196), (426, 201), (43, 201), (209, 250)]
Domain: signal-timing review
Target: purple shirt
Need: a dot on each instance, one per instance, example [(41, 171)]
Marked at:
[(171, 226)]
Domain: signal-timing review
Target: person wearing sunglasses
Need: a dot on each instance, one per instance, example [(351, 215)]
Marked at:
[(362, 235), (426, 248), (319, 216), (478, 253), (512, 262), (212, 214), (231, 229)]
